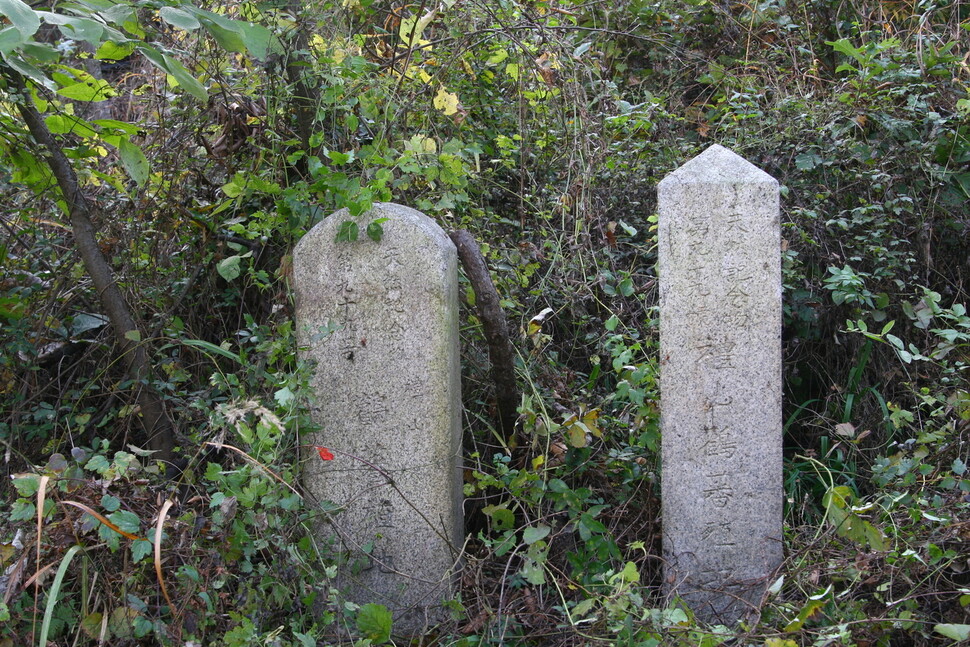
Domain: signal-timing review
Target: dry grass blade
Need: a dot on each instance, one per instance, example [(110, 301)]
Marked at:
[(158, 551), (37, 576), (103, 520), (14, 575), (41, 496)]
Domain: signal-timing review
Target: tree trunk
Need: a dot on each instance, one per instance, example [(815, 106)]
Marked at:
[(496, 331), (157, 428)]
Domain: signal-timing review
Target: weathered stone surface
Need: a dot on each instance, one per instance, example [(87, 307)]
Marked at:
[(387, 394), (720, 348)]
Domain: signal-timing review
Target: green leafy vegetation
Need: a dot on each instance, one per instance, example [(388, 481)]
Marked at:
[(205, 139)]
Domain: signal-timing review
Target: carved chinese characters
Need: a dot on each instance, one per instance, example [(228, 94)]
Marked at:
[(720, 344), (380, 322)]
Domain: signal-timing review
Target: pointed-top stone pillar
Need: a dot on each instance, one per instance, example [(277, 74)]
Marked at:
[(720, 348)]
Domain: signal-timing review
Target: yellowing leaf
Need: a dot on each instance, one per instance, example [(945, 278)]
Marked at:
[(91, 624), (809, 610), (535, 324), (446, 102), (412, 28), (421, 145), (589, 419), (512, 69), (576, 433), (7, 551)]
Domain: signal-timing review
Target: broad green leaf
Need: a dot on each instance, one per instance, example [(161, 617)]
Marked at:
[(11, 309), (284, 396), (179, 18), (26, 484), (875, 536), (502, 518), (133, 27), (375, 229), (75, 27), (228, 38), (348, 232), (88, 90), (532, 534), (120, 14), (959, 467), (230, 268), (259, 184), (232, 189), (374, 622), (141, 549), (178, 72), (61, 124), (583, 607), (133, 335), (807, 161), (956, 632), (533, 572), (154, 56), (21, 16), (134, 162), (630, 574), (506, 543), (258, 40), (845, 47), (111, 51), (10, 39), (512, 69), (98, 463), (340, 158), (110, 503), (40, 52), (29, 71), (126, 520), (185, 79), (123, 126)]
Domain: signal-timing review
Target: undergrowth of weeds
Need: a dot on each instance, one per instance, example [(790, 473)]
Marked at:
[(209, 138)]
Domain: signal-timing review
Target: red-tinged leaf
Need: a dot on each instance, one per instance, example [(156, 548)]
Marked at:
[(325, 454)]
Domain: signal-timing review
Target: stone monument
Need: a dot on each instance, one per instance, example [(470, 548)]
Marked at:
[(720, 366), (380, 322)]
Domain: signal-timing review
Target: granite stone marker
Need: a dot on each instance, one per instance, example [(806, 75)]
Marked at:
[(387, 396), (721, 418)]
